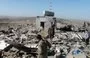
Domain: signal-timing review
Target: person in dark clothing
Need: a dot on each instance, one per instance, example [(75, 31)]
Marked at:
[(86, 37), (87, 40), (51, 31)]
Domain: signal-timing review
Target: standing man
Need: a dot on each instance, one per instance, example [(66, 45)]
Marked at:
[(42, 47), (51, 31), (86, 37)]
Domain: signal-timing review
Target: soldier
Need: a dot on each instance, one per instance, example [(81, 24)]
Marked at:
[(42, 47), (87, 37), (51, 31)]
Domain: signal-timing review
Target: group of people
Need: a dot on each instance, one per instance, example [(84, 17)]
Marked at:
[(43, 43), (61, 54)]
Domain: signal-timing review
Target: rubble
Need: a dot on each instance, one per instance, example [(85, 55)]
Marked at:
[(20, 41)]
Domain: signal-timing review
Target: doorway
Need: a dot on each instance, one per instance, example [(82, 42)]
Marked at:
[(42, 24)]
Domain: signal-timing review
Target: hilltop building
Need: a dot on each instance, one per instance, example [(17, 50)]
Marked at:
[(45, 21)]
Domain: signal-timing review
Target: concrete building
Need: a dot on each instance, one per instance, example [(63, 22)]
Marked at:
[(45, 21)]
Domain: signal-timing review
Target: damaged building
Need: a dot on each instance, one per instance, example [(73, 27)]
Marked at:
[(45, 21)]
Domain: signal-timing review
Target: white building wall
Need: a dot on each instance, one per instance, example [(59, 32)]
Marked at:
[(47, 21)]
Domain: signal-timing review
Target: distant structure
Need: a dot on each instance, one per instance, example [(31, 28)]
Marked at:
[(45, 21), (48, 13)]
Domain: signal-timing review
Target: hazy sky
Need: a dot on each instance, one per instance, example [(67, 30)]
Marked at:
[(76, 9)]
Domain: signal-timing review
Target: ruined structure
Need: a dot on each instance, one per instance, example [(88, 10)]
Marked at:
[(45, 21)]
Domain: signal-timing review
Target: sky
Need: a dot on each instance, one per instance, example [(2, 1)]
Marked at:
[(73, 9)]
